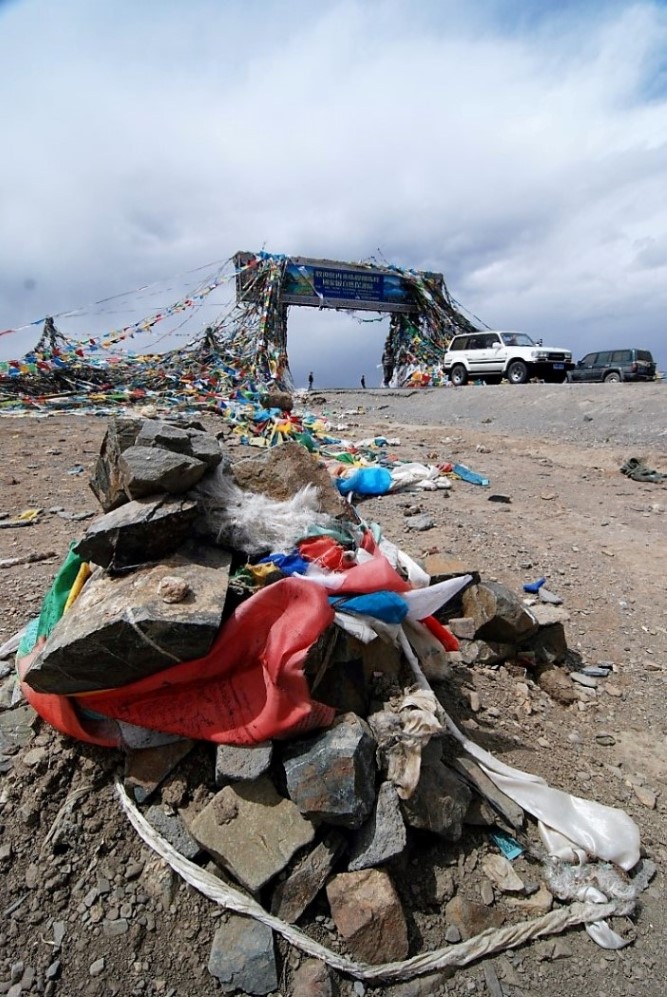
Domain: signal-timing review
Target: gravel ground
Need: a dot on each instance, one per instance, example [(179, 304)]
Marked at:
[(628, 414)]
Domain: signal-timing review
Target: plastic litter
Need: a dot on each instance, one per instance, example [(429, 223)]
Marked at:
[(365, 481), (534, 587)]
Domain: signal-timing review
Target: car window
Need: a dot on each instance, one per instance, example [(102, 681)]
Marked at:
[(589, 360), (645, 355), (621, 356), (487, 341), (603, 359), (459, 343)]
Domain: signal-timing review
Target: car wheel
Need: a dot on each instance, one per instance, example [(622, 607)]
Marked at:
[(517, 372), (613, 376), (459, 374)]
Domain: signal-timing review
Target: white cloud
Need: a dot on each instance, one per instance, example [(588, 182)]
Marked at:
[(522, 155)]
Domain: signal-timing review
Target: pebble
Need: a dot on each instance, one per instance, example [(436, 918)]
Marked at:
[(595, 673), (585, 680), (646, 796), (96, 968), (486, 893), (452, 935), (606, 740)]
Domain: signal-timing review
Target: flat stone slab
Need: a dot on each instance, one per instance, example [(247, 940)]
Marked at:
[(171, 827), (149, 470), (332, 776), (307, 879), (383, 836), (439, 804), (368, 914), (106, 481), (120, 629), (241, 763), (251, 831), (138, 532), (193, 442), (242, 957), (146, 768)]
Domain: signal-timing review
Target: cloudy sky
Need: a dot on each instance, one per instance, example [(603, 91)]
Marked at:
[(518, 146)]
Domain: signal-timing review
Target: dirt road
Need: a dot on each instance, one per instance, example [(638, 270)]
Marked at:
[(598, 538)]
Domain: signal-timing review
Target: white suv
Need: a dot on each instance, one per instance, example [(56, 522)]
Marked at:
[(493, 355)]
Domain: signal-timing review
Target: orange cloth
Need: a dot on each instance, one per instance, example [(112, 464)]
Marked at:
[(249, 688)]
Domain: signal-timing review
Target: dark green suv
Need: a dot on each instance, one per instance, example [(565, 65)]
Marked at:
[(615, 365)]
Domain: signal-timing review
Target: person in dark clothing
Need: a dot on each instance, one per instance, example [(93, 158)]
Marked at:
[(363, 380), (310, 381)]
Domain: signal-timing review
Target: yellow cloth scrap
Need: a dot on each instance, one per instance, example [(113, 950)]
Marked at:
[(79, 582)]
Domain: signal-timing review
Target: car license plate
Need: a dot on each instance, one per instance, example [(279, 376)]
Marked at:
[(559, 366)]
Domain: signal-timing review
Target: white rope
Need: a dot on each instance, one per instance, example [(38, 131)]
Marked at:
[(452, 956)]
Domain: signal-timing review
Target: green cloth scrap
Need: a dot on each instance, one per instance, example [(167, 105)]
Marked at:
[(53, 604)]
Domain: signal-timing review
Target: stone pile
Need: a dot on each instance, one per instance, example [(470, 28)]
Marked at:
[(304, 823)]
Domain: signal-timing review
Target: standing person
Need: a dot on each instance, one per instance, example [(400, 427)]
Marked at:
[(310, 381), (388, 365), (363, 380)]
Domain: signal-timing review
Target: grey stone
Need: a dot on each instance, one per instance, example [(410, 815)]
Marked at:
[(332, 776), (16, 726), (243, 958), (502, 804), (312, 979), (421, 522), (120, 629), (546, 614), (585, 680), (140, 531), (546, 596), (171, 827), (204, 447), (452, 935), (282, 470), (106, 482), (234, 763), (252, 831), (498, 612), (164, 435), (369, 916), (439, 803), (549, 644), (482, 652), (383, 835), (150, 470), (114, 929), (293, 895), (96, 968)]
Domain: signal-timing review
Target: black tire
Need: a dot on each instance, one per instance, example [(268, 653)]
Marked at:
[(517, 372), (613, 377), (458, 374)]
